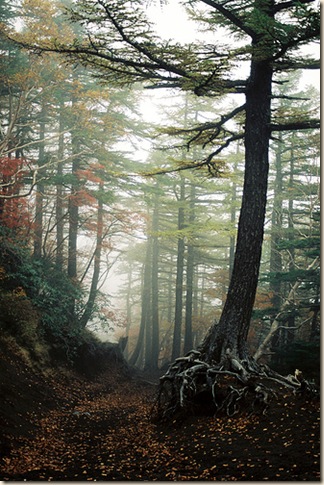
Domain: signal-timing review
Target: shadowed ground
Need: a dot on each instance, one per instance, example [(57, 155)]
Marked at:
[(63, 426)]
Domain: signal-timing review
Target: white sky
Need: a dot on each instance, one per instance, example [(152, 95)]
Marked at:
[(172, 22)]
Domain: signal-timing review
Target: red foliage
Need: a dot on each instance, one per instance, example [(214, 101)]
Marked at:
[(14, 212), (82, 197), (89, 175)]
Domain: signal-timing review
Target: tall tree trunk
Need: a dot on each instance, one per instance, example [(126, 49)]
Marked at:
[(176, 347), (38, 232), (73, 207), (145, 305), (202, 292), (59, 195), (276, 234), (73, 204), (188, 337), (230, 335), (170, 292), (289, 335), (128, 307), (96, 265), (155, 287), (276, 228), (233, 217)]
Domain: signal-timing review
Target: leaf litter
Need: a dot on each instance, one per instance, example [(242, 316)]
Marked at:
[(101, 430)]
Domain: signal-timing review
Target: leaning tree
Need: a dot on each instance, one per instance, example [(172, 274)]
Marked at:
[(268, 36)]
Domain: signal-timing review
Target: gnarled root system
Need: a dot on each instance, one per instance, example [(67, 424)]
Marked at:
[(193, 386)]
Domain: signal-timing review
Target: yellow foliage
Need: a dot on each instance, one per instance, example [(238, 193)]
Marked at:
[(19, 292)]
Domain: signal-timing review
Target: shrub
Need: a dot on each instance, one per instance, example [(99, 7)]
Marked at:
[(50, 292)]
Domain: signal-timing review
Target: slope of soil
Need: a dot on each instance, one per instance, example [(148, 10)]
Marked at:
[(67, 427)]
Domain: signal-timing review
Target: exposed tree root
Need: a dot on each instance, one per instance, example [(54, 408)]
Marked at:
[(193, 386)]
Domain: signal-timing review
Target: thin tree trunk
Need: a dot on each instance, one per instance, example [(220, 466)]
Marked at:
[(276, 229), (202, 292), (155, 287), (176, 347), (188, 337), (233, 217), (291, 230), (128, 307), (147, 308), (170, 292), (276, 234), (145, 303), (38, 232), (59, 196), (73, 210), (96, 266)]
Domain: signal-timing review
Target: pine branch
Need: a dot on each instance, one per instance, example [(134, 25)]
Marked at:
[(291, 98), (217, 127), (230, 16), (296, 125), (286, 65), (291, 3), (142, 47)]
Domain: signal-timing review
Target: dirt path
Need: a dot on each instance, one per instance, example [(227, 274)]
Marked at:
[(102, 431)]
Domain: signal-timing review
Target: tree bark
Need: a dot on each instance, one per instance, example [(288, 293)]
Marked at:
[(59, 196), (145, 302), (276, 229), (38, 233), (176, 347), (231, 332), (233, 218), (96, 265), (155, 287), (291, 228), (188, 337), (73, 209)]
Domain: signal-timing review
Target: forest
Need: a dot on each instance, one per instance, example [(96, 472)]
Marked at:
[(159, 240)]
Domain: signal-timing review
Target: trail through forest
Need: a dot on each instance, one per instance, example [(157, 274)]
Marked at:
[(68, 427)]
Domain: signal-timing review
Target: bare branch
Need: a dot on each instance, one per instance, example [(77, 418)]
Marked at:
[(34, 173), (296, 125), (275, 324), (207, 162)]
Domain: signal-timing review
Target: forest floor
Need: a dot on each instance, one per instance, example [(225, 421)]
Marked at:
[(62, 426)]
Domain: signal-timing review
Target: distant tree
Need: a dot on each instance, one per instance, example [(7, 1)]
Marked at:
[(176, 347), (46, 126), (155, 352), (188, 334)]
